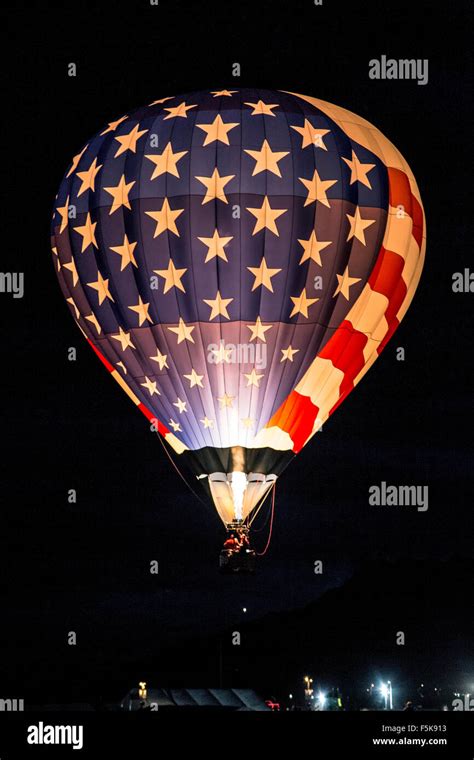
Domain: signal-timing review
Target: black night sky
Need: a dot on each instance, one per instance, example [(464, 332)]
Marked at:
[(84, 567)]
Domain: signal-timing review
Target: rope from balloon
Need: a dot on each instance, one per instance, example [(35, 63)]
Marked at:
[(261, 554), (179, 472), (251, 518), (265, 521)]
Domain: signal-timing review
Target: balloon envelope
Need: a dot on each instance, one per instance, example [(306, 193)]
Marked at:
[(238, 259)]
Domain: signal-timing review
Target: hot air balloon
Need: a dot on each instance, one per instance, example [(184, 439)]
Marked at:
[(238, 259)]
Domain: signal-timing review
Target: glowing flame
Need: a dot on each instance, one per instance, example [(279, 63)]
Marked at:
[(238, 485)]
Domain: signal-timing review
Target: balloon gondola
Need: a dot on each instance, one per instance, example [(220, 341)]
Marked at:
[(238, 259), (237, 555)]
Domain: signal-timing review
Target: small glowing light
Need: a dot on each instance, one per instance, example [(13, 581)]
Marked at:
[(322, 698), (384, 690), (244, 609), (290, 696)]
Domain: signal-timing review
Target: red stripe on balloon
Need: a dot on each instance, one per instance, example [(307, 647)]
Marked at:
[(162, 429), (400, 194), (386, 272), (399, 189), (296, 416), (417, 216), (101, 356), (386, 278), (345, 349)]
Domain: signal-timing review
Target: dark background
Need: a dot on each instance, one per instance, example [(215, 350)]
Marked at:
[(85, 567)]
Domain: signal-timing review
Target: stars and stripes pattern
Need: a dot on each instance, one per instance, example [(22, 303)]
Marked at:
[(274, 223)]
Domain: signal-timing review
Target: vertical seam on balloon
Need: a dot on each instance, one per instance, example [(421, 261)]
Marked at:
[(204, 354), (198, 322), (281, 322), (191, 432), (140, 357), (201, 433), (105, 149), (165, 402), (241, 302), (137, 225), (291, 325), (243, 261), (195, 432), (261, 296), (216, 265)]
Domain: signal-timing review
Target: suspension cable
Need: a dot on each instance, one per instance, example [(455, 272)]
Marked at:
[(265, 520), (179, 472), (261, 554), (258, 508), (255, 512)]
